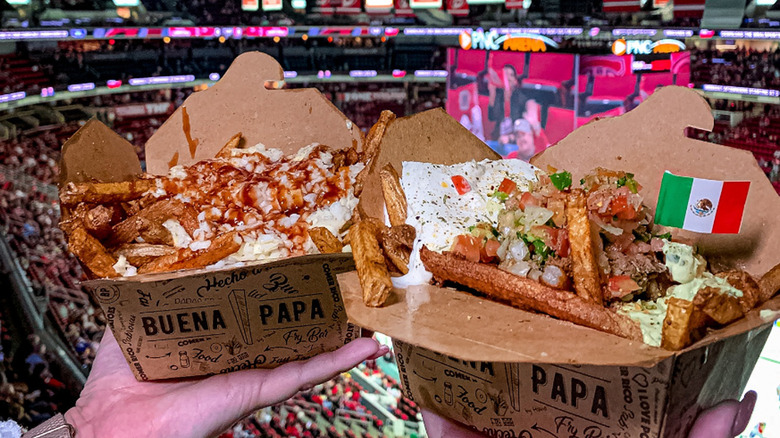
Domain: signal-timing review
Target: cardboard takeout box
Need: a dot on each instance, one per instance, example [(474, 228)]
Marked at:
[(192, 323), (510, 373)]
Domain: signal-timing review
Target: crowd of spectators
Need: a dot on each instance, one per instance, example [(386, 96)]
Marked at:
[(29, 393), (28, 219), (743, 67), (334, 409), (757, 133)]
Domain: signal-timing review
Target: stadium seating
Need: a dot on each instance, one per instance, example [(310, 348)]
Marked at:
[(548, 71), (612, 90), (470, 62), (560, 123)]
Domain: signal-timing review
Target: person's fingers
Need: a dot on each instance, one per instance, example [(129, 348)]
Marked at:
[(383, 350), (242, 392), (440, 427), (725, 420)]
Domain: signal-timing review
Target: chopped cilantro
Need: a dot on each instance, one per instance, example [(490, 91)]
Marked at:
[(561, 180), (495, 232), (536, 246), (499, 195), (472, 227), (665, 236), (629, 182), (582, 182)]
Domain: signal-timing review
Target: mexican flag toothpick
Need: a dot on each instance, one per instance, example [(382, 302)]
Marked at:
[(701, 205)]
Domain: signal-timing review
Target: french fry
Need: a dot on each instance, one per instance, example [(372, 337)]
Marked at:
[(370, 264), (585, 270), (524, 293), (229, 146), (682, 324), (325, 241), (92, 253), (395, 198), (371, 146), (157, 213), (138, 254), (99, 220), (154, 232), (105, 193), (358, 214), (769, 284), (751, 293), (397, 242), (221, 247), (720, 307)]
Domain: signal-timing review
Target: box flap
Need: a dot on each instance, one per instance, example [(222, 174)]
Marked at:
[(431, 136), (471, 328), (240, 102), (80, 160), (650, 140)]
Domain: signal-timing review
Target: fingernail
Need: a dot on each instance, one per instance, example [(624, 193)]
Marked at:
[(743, 414), (383, 350)]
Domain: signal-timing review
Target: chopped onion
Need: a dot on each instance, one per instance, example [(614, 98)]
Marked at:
[(535, 274), (535, 216), (520, 268), (501, 251), (606, 227), (517, 250), (553, 276)]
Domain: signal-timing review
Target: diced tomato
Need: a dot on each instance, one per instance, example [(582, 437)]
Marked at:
[(619, 207), (622, 285), (560, 242), (467, 247), (489, 250), (528, 199), (507, 186), (555, 238), (461, 184)]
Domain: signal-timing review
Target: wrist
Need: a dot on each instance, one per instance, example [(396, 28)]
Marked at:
[(76, 420)]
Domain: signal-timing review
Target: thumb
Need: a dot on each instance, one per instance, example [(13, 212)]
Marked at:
[(725, 420), (243, 392)]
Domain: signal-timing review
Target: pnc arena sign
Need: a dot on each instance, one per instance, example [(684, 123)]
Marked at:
[(516, 42), (646, 47)]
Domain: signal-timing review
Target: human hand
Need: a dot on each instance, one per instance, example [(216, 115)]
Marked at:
[(113, 403), (725, 420)]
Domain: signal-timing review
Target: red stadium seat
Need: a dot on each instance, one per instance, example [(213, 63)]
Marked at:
[(683, 77), (549, 70), (560, 123), (470, 62), (612, 89)]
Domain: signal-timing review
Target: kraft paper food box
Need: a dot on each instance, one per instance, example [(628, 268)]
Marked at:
[(510, 373), (201, 322)]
